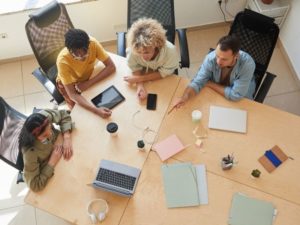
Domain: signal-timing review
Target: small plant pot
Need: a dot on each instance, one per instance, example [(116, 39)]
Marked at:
[(255, 173), (141, 145), (227, 162), (226, 166)]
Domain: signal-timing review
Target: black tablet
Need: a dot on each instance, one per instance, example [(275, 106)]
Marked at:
[(108, 98)]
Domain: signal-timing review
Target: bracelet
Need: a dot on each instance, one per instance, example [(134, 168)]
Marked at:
[(77, 89)]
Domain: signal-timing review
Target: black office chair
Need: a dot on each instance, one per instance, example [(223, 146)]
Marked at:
[(45, 31), (258, 35), (163, 11), (11, 123)]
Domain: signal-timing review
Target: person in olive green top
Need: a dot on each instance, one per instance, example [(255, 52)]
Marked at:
[(43, 145)]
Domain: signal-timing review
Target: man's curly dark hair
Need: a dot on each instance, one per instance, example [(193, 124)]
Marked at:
[(76, 39)]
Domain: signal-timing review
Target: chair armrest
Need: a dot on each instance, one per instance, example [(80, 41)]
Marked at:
[(47, 83), (184, 50), (264, 87), (121, 44)]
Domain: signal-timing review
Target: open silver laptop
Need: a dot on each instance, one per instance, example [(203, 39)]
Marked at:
[(228, 119), (117, 178)]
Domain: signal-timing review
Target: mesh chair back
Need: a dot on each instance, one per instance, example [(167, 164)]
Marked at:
[(161, 10), (11, 123), (45, 31), (258, 35)]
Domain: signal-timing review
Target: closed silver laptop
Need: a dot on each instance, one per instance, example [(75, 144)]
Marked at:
[(228, 119), (117, 178)]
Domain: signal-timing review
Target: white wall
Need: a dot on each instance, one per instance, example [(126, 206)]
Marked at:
[(290, 35), (103, 18)]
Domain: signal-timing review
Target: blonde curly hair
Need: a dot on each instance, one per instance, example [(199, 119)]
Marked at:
[(146, 32)]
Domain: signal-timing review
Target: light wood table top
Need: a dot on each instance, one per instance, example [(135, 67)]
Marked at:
[(148, 205), (67, 194), (266, 127)]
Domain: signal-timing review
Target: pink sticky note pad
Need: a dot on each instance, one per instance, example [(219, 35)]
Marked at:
[(168, 147)]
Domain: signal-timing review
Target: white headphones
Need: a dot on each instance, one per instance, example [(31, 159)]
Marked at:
[(97, 210)]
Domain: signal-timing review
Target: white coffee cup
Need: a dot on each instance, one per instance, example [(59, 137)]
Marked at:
[(196, 116), (112, 128)]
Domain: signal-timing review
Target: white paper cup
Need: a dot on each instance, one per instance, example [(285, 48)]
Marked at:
[(112, 128), (196, 116)]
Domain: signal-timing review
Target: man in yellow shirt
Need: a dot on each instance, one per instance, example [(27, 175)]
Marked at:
[(75, 64)]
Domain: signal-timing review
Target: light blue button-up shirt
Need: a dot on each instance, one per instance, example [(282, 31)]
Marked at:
[(242, 82)]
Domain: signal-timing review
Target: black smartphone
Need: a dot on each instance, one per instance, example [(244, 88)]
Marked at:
[(151, 101)]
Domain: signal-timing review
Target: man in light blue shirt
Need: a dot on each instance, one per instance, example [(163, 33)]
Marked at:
[(227, 70)]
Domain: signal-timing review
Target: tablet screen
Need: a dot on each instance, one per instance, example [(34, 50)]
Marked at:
[(109, 98)]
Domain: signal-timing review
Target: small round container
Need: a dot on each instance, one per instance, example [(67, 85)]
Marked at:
[(112, 128), (196, 116), (255, 173), (141, 145)]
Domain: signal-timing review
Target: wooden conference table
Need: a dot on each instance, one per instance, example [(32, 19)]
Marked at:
[(266, 127), (68, 193)]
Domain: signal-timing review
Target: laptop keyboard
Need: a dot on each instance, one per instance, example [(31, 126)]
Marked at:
[(116, 179)]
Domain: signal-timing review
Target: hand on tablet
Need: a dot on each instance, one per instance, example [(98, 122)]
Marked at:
[(103, 112)]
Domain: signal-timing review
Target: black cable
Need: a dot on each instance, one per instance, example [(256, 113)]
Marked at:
[(220, 6)]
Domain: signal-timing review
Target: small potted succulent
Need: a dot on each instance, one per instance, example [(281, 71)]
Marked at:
[(255, 173), (141, 145)]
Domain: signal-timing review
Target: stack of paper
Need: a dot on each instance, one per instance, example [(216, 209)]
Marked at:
[(248, 211), (168, 147), (184, 185)]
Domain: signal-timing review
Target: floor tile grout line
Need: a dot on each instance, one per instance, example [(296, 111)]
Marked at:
[(16, 96), (285, 93)]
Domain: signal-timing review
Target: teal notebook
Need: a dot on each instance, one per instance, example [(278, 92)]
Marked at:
[(180, 185), (248, 211)]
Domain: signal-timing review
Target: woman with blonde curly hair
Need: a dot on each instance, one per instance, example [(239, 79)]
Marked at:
[(150, 56)]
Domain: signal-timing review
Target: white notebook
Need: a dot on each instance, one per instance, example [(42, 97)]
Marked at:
[(229, 119)]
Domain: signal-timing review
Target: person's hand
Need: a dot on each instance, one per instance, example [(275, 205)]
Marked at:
[(103, 112), (55, 155), (81, 86), (179, 102), (141, 92), (67, 146), (209, 83), (132, 79)]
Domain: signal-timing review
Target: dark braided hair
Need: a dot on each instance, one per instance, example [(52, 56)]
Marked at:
[(26, 138), (76, 39)]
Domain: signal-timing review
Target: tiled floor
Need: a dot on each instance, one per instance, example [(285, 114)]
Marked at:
[(22, 91)]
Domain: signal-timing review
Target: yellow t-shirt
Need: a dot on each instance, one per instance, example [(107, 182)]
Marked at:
[(71, 70)]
